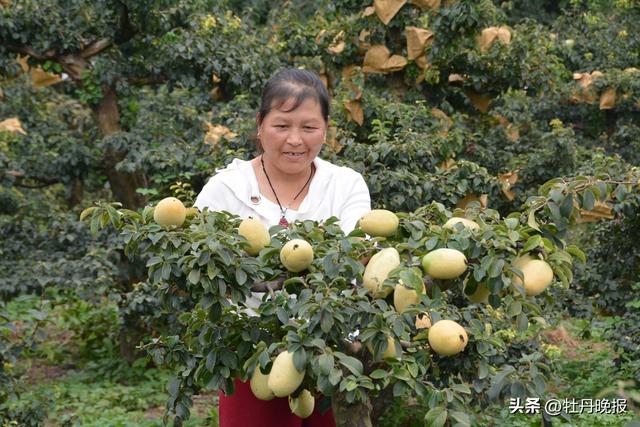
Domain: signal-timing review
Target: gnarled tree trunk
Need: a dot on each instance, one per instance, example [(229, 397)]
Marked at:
[(123, 184), (351, 415)]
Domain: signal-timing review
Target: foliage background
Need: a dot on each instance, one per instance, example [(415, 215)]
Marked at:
[(149, 93)]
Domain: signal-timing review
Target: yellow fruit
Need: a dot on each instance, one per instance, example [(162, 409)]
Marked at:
[(378, 269), (423, 321), (379, 223), (467, 223), (403, 297), (522, 260), (447, 338), (444, 263), (170, 211), (390, 352), (296, 255), (256, 234), (191, 212), (480, 295), (538, 275), (259, 385), (284, 378), (302, 406)]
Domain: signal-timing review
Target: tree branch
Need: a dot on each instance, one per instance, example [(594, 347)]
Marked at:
[(19, 176), (37, 186), (95, 48), (126, 30), (28, 50), (74, 63)]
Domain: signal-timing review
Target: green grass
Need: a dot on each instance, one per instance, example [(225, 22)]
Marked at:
[(79, 398), (80, 386)]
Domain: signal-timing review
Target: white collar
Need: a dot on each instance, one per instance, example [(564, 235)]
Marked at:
[(245, 187)]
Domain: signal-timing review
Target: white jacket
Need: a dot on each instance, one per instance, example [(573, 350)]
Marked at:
[(334, 191)]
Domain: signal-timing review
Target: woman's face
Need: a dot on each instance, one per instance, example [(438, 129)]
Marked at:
[(292, 139)]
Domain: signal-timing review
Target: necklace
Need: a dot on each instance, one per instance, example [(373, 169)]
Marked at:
[(283, 221)]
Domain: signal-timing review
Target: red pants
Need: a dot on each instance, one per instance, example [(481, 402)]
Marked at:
[(243, 409)]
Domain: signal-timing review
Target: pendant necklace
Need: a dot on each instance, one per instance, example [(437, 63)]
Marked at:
[(283, 221)]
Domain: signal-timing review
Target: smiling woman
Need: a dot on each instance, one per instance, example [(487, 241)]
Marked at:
[(286, 182)]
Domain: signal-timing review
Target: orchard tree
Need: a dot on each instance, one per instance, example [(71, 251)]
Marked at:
[(419, 308), (101, 54)]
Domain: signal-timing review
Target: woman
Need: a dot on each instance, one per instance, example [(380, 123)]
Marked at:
[(284, 183)]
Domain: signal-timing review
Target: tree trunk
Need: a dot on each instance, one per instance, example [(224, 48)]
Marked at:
[(123, 184), (76, 192), (381, 403), (128, 339), (355, 415)]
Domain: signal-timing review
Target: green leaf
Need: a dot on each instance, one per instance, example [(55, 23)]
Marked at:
[(300, 359), (326, 363), (522, 322), (518, 390), (483, 369), (282, 315), (514, 309), (531, 221), (154, 260), (496, 268), (554, 211), (412, 278), (351, 363), (566, 207), (241, 276), (194, 276), (621, 192), (174, 387), (326, 321), (576, 252), (461, 388), (499, 382), (461, 418), (602, 187), (431, 243), (533, 242), (511, 223), (588, 200), (436, 417), (478, 273)]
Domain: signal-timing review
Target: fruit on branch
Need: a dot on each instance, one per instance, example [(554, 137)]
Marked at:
[(537, 273), (302, 406), (378, 269), (284, 378), (256, 234), (467, 223), (403, 297), (447, 337), (390, 352), (480, 295), (379, 223), (258, 384), (444, 263), (169, 211), (192, 212), (296, 255)]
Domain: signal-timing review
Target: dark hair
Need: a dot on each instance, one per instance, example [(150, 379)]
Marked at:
[(294, 83)]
